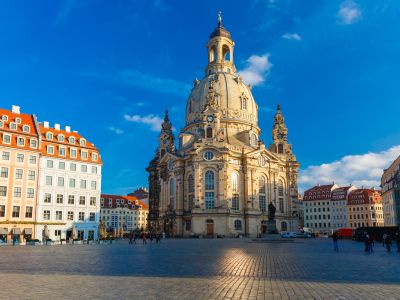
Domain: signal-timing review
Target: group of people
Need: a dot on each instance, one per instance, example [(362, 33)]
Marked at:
[(144, 236), (387, 241), (369, 242)]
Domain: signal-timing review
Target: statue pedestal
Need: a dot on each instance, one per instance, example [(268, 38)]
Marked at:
[(271, 229)]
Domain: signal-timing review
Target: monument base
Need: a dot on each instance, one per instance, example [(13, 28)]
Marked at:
[(271, 229)]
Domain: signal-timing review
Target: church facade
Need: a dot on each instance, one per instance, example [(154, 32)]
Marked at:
[(221, 177)]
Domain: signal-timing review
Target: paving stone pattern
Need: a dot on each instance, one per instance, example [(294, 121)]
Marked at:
[(200, 269)]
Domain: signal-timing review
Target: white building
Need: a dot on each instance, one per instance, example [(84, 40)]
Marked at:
[(317, 208), (69, 185), (390, 183), (338, 209)]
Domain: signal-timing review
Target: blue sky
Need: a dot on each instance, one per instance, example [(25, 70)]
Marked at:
[(109, 69)]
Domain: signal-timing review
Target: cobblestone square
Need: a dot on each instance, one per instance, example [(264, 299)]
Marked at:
[(200, 269)]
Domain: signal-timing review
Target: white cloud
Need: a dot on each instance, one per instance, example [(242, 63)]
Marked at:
[(116, 130), (349, 13), (360, 170), (256, 69), (153, 121), (292, 36)]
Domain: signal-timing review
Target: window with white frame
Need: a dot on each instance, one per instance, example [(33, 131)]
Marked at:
[(1, 124), (81, 216), (94, 156), (5, 155), (50, 150), (84, 154), (82, 142), (83, 184), (31, 174), (49, 136), (17, 192), (72, 167), (71, 199), (4, 172), (93, 201), (82, 200), (46, 215), (49, 180), (281, 196), (47, 198), (6, 139), (30, 193), (5, 118), (238, 225), (93, 185), (60, 181), (26, 128), (94, 170), (49, 163), (60, 199), (73, 153), (83, 168), (59, 215), (61, 165), (72, 182), (13, 126), (32, 159), (92, 217), (3, 191), (261, 194), (71, 140), (253, 139), (62, 151), (18, 120), (60, 138), (20, 157), (28, 212), (70, 216), (20, 141), (19, 173)]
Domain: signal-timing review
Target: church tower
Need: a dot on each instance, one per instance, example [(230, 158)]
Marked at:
[(279, 135), (166, 138)]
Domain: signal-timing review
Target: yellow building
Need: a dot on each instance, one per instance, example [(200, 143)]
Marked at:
[(364, 208), (222, 177)]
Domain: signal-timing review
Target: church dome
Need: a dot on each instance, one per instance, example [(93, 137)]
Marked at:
[(234, 98), (231, 97)]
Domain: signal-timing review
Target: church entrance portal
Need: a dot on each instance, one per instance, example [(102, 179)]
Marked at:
[(210, 227)]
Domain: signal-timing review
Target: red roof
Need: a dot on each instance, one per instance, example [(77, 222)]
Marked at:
[(319, 192), (123, 201), (340, 193), (21, 121), (364, 196)]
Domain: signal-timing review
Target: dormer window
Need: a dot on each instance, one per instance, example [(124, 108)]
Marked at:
[(50, 150), (60, 138), (61, 151), (13, 126), (82, 142), (94, 156), (26, 128), (84, 155), (5, 118), (6, 139), (20, 141), (49, 136), (1, 124), (18, 120), (71, 140)]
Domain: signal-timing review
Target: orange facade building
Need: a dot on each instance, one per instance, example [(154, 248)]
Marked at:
[(19, 168)]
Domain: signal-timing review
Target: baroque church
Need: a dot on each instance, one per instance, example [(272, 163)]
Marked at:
[(221, 177)]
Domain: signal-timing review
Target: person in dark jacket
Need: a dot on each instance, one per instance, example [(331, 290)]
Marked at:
[(397, 239), (335, 239), (367, 244), (388, 242)]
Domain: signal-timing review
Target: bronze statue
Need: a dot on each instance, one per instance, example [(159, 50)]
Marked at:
[(271, 211)]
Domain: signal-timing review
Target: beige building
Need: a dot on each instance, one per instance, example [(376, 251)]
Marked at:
[(221, 178), (19, 167), (121, 214), (390, 183), (364, 208)]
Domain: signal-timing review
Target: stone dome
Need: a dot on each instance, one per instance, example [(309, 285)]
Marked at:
[(235, 101)]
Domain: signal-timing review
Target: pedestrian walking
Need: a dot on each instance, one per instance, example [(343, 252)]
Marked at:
[(158, 238), (371, 244), (366, 242), (383, 240), (131, 237), (335, 239), (397, 239), (388, 242), (144, 239)]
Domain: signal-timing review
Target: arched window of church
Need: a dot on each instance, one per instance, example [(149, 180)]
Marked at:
[(190, 191), (209, 189), (209, 132), (280, 148), (172, 193), (261, 194), (244, 103), (235, 191), (201, 132), (253, 140), (281, 196), (226, 53)]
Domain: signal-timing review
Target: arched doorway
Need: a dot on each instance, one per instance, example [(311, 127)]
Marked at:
[(210, 227)]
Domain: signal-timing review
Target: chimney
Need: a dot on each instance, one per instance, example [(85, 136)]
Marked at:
[(46, 124), (75, 131), (57, 126), (67, 128), (16, 109)]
